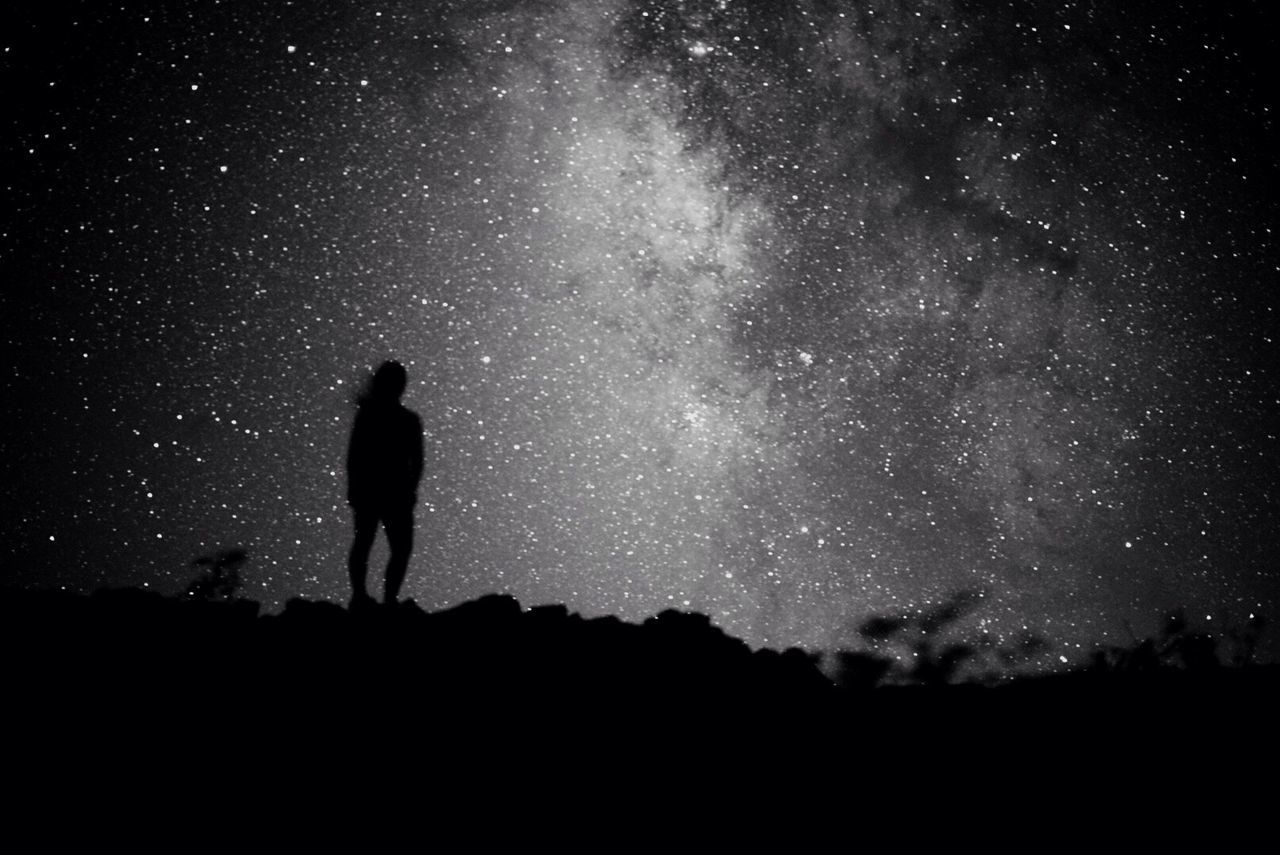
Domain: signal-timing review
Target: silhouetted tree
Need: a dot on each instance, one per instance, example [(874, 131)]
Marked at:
[(219, 580), (934, 659), (1026, 646), (1179, 646), (860, 670), (1245, 640)]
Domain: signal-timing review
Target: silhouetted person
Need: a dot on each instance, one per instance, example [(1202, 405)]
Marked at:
[(384, 466)]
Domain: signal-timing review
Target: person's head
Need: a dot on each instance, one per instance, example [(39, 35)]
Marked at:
[(388, 382)]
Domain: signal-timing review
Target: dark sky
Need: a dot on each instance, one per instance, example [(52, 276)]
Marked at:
[(791, 317)]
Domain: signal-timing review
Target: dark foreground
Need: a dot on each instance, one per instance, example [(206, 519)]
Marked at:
[(125, 682)]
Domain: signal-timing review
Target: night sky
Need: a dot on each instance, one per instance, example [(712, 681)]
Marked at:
[(787, 313)]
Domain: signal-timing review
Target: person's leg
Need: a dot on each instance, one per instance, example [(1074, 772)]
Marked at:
[(399, 525), (358, 560)]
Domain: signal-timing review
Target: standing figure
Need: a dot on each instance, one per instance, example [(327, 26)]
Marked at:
[(384, 466)]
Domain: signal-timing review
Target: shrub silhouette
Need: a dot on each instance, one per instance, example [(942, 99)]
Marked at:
[(219, 581), (933, 658), (860, 670), (1178, 646), (1245, 641)]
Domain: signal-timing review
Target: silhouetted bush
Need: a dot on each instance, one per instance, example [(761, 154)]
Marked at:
[(926, 656), (219, 581), (1179, 646), (1245, 640)]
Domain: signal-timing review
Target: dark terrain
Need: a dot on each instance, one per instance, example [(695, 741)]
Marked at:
[(137, 661), (200, 710)]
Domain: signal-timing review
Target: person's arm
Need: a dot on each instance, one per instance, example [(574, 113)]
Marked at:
[(418, 452), (353, 461)]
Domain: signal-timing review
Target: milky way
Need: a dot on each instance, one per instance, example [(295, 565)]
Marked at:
[(789, 317)]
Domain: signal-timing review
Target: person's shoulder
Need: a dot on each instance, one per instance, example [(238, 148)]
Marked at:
[(410, 416)]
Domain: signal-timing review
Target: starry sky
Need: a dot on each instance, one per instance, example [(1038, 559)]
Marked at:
[(788, 313)]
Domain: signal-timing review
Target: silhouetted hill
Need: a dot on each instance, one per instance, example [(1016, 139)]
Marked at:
[(125, 673), (483, 658)]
